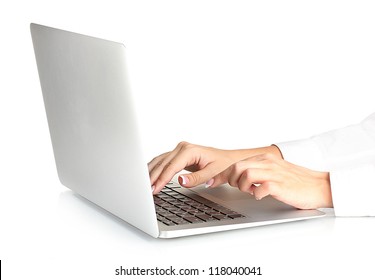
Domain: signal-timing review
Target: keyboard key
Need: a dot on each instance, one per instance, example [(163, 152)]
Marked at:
[(205, 217), (193, 220)]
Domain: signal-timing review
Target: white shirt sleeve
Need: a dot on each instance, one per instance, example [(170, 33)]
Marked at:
[(349, 155)]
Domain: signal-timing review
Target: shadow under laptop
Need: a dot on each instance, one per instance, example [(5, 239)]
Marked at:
[(75, 209)]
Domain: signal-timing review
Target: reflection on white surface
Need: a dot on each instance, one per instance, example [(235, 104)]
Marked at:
[(288, 249)]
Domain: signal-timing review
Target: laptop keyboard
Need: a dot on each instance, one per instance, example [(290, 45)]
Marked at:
[(175, 208)]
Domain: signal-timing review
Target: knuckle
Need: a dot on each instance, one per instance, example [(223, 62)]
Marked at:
[(169, 168), (266, 157), (248, 175), (195, 178), (271, 158), (183, 145), (237, 167), (156, 160)]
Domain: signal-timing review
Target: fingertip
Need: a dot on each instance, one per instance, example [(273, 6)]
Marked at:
[(209, 183), (251, 189), (157, 186), (183, 180), (218, 180), (260, 191), (155, 190)]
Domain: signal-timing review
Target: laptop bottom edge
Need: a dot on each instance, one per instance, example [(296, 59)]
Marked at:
[(181, 232)]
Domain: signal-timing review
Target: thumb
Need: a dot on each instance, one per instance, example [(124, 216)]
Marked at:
[(197, 178)]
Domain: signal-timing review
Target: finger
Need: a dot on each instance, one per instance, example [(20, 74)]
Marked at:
[(238, 169), (230, 175), (252, 177), (154, 167), (171, 165), (156, 161), (265, 189), (164, 174), (199, 177), (233, 173), (158, 164), (221, 178)]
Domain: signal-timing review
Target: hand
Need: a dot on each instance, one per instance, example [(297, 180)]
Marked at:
[(266, 174), (204, 162)]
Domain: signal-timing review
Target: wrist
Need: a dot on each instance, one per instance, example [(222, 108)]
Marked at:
[(247, 153), (326, 190)]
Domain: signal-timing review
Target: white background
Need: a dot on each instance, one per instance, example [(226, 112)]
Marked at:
[(229, 74)]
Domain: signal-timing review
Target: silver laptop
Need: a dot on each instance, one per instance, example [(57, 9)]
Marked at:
[(98, 151)]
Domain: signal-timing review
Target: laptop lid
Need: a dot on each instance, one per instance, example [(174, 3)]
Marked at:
[(92, 123)]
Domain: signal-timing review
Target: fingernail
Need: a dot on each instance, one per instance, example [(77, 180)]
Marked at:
[(209, 183), (258, 198), (183, 180), (152, 188)]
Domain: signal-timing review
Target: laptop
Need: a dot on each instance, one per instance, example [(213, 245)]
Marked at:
[(98, 149)]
